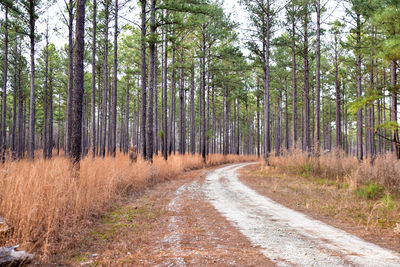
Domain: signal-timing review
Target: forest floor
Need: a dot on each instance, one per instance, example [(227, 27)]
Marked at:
[(210, 217)]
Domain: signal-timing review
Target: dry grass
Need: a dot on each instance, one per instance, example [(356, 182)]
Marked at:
[(47, 207), (385, 169)]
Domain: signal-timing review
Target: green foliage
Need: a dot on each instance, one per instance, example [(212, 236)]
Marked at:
[(370, 191), (387, 203)]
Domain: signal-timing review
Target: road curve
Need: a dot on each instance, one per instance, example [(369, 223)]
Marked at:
[(285, 236)]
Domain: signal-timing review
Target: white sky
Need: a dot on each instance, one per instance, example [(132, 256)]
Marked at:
[(232, 7)]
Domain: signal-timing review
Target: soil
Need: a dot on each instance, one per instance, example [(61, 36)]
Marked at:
[(151, 231)]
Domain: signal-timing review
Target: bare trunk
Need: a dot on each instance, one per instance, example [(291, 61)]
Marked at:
[(78, 88), (4, 104), (45, 97), (105, 86), (143, 82), (359, 92), (70, 8), (31, 138), (94, 79), (192, 115), (318, 83), (152, 62), (113, 133)]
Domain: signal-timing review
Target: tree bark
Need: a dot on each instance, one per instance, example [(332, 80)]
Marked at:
[(105, 86), (306, 86), (94, 31), (182, 130), (45, 97), (50, 126), (338, 96), (393, 78), (192, 115), (266, 86), (294, 82), (31, 136), (152, 61), (143, 81), (115, 84), (165, 96), (171, 134), (78, 88), (317, 126), (70, 8), (359, 92), (4, 104)]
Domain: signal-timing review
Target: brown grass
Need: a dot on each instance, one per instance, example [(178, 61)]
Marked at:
[(46, 207), (385, 169)]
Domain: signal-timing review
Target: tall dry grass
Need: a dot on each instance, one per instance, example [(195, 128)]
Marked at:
[(47, 208), (385, 169)]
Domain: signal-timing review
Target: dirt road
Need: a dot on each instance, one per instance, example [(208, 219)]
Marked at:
[(285, 236), (210, 218)]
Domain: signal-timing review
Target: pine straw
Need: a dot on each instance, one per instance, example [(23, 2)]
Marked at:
[(47, 207)]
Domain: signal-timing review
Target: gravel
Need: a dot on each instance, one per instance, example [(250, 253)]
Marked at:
[(285, 236)]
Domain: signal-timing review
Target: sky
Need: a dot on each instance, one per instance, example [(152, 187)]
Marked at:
[(237, 12)]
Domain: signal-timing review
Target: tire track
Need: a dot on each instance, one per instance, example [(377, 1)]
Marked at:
[(286, 236)]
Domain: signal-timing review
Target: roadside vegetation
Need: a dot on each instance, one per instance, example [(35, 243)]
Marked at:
[(360, 197), (47, 207)]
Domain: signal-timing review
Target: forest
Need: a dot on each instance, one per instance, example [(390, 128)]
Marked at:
[(177, 80), (184, 83)]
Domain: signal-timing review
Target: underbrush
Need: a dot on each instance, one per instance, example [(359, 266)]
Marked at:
[(47, 208), (340, 186), (384, 171)]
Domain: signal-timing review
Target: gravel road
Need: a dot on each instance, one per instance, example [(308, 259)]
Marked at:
[(285, 236)]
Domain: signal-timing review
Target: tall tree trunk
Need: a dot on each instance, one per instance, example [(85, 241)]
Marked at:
[(171, 133), (152, 63), (192, 115), (50, 126), (337, 90), (393, 78), (286, 116), (78, 88), (266, 86), (45, 97), (70, 8), (306, 86), (115, 84), (105, 85), (15, 93), (143, 81), (203, 96), (21, 140), (294, 83), (4, 104), (165, 96), (318, 83), (359, 92), (182, 130), (156, 123), (31, 138), (127, 139), (94, 78)]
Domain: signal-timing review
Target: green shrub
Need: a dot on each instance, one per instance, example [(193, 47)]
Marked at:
[(370, 191)]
